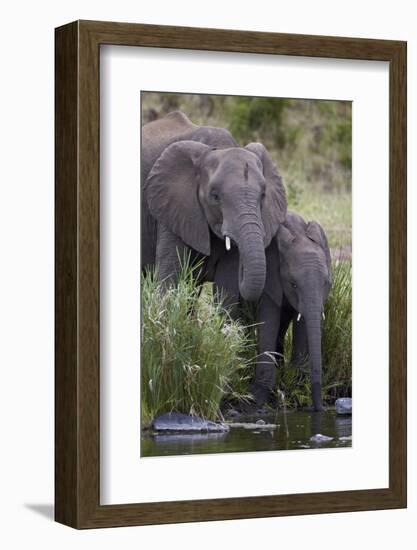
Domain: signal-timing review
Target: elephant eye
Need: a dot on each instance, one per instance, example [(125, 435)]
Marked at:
[(294, 285), (215, 196)]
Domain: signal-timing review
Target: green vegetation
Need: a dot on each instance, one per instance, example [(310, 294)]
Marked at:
[(337, 335), (192, 351), (332, 210)]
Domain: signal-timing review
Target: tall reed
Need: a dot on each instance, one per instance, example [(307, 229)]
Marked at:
[(192, 351)]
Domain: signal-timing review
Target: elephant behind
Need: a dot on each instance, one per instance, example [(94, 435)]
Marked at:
[(204, 194)]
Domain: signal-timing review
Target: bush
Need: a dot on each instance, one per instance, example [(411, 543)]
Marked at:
[(250, 117), (192, 351)]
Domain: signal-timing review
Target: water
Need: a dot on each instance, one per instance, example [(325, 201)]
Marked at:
[(301, 426)]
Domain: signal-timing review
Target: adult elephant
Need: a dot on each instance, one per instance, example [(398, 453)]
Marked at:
[(204, 194), (306, 277)]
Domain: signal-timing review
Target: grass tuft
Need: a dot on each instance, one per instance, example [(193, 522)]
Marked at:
[(337, 335), (192, 352)]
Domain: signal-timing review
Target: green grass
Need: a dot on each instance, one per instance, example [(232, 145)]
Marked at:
[(337, 335), (192, 352), (332, 210)]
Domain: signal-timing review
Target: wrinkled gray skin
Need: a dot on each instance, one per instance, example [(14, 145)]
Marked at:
[(199, 187), (305, 269)]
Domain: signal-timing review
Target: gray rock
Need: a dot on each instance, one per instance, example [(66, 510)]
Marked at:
[(344, 405), (179, 422), (319, 438), (260, 422)]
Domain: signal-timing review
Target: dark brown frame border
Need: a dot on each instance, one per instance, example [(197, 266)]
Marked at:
[(77, 274)]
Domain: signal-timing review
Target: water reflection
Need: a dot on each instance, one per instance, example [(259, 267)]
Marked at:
[(302, 426)]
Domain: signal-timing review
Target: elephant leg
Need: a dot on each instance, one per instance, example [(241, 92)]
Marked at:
[(265, 376), (226, 282), (299, 342), (148, 238), (285, 320), (170, 252)]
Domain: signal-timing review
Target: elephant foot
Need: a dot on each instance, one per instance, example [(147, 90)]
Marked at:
[(262, 395)]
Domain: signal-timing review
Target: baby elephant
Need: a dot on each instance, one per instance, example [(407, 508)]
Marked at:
[(305, 269)]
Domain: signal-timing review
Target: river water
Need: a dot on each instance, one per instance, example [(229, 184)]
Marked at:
[(293, 431)]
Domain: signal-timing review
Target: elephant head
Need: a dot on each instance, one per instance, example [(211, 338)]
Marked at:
[(305, 268), (236, 193)]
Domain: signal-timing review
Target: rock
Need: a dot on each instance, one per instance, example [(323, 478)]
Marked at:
[(260, 422), (344, 405), (179, 422), (319, 438)]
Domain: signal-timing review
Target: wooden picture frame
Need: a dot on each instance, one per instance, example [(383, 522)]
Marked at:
[(77, 359)]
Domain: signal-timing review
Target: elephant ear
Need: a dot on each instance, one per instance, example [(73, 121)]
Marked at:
[(315, 232), (284, 237), (171, 193), (275, 202)]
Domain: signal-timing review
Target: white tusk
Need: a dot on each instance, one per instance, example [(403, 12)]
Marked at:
[(227, 242), (324, 317), (298, 317)]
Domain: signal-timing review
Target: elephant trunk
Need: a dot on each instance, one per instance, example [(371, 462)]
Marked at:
[(313, 324), (252, 262)]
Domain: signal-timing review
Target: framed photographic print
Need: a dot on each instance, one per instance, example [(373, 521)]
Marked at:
[(230, 274)]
